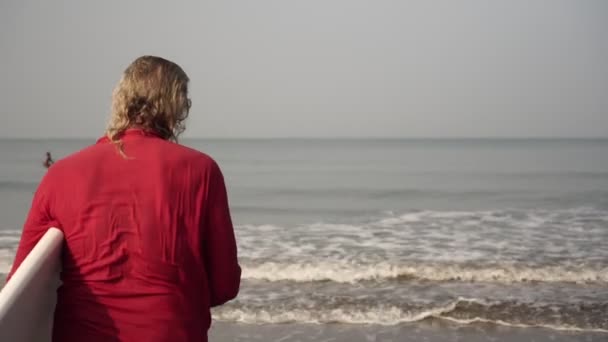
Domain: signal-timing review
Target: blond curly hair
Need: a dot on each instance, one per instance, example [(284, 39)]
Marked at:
[(152, 95)]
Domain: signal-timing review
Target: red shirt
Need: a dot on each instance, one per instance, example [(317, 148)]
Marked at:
[(149, 242)]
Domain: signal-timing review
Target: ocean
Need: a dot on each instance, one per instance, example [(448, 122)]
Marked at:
[(395, 239)]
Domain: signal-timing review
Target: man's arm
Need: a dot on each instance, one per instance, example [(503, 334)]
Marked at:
[(219, 243)]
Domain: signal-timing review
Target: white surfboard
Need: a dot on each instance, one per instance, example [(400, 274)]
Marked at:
[(27, 301)]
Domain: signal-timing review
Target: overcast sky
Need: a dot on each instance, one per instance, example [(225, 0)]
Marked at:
[(310, 68)]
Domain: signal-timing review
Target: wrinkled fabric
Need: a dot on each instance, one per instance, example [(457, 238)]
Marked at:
[(149, 242)]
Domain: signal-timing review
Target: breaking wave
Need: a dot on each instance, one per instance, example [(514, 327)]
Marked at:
[(572, 317), (351, 273)]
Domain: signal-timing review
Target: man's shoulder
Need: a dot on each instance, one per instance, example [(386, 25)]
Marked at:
[(69, 161), (100, 152), (191, 154)]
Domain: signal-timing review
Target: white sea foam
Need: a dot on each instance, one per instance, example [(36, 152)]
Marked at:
[(562, 327), (9, 239), (388, 315), (6, 260), (538, 236), (343, 272)]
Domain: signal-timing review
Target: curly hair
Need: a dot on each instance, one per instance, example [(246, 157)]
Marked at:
[(152, 95)]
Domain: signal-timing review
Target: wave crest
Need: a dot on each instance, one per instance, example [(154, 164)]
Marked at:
[(343, 272), (460, 311)]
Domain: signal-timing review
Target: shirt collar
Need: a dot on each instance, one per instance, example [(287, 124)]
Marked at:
[(131, 133)]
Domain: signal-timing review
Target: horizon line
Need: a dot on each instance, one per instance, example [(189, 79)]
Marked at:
[(341, 138)]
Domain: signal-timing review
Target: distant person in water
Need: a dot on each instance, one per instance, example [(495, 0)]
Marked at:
[(49, 161), (149, 242)]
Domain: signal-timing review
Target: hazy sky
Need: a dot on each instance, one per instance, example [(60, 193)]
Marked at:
[(329, 68)]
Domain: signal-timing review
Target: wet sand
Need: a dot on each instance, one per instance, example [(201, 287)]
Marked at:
[(431, 330), (419, 332)]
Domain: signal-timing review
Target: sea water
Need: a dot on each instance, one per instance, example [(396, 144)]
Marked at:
[(386, 232)]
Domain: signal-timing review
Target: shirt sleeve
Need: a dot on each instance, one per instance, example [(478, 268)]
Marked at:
[(219, 243), (38, 221)]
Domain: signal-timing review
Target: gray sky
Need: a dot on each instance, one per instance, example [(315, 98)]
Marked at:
[(330, 68)]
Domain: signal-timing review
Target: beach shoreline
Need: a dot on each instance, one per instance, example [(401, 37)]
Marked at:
[(430, 331)]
